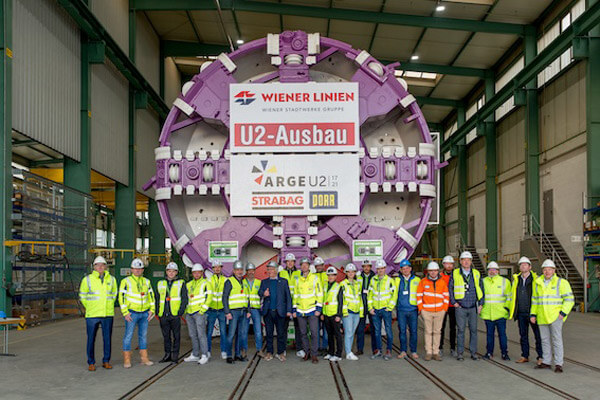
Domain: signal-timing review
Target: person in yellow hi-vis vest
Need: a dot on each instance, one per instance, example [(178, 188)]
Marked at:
[(319, 265), (98, 292), (137, 305), (333, 311), (551, 302), (307, 306), (235, 306), (251, 285), (381, 300), (353, 308), (171, 301), (496, 308), (215, 312), (199, 297), (289, 273)]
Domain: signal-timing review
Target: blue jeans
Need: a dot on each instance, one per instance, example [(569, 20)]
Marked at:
[(211, 317), (360, 333), (323, 343), (141, 320), (236, 324), (524, 324), (408, 319), (243, 335), (350, 324), (92, 325), (386, 317), (491, 326)]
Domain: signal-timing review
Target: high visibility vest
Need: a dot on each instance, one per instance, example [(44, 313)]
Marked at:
[(290, 277), (433, 295), (513, 296), (353, 296), (174, 296), (199, 296), (497, 298), (381, 293), (136, 294), (217, 283), (548, 301), (308, 293), (412, 288), (253, 297), (98, 296), (330, 299), (238, 297), (322, 279), (459, 284)]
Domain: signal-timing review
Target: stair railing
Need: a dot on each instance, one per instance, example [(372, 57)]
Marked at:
[(534, 229)]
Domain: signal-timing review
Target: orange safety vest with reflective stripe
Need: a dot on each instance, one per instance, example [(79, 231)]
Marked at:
[(433, 295)]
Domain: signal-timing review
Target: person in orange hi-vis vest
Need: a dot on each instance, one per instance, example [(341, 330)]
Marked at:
[(432, 301)]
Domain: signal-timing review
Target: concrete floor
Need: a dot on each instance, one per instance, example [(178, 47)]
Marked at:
[(51, 364)]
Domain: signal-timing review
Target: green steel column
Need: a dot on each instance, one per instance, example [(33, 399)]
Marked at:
[(125, 219), (441, 228), (463, 184), (532, 138), (593, 115), (6, 154), (491, 195)]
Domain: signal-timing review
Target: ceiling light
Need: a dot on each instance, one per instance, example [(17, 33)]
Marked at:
[(239, 41), (440, 8), (414, 57)]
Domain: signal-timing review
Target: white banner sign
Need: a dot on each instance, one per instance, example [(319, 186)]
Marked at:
[(293, 117), (299, 184)]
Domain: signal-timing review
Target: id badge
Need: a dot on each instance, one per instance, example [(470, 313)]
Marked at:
[(467, 286), (405, 292)]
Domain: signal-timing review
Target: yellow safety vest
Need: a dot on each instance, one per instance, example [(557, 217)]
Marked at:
[(412, 288), (252, 291), (330, 299), (497, 298), (217, 283), (174, 296), (513, 296), (136, 294), (353, 296), (291, 278), (381, 293), (238, 298), (459, 284), (548, 301), (98, 296), (308, 293), (199, 296)]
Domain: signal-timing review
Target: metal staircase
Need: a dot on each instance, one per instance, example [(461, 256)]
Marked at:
[(477, 262)]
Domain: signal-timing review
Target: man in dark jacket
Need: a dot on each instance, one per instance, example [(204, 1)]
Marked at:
[(276, 306)]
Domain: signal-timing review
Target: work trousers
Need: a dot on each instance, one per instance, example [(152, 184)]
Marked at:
[(433, 321), (171, 331)]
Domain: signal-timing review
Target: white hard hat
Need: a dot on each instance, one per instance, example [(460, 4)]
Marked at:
[(173, 266), (331, 271), (367, 262), (380, 263), (197, 267), (493, 265), (238, 265), (250, 266), (137, 263), (305, 260), (466, 254), (548, 264), (524, 260), (99, 260), (448, 259), (272, 264), (433, 266), (290, 257), (350, 267), (318, 261), (216, 263)]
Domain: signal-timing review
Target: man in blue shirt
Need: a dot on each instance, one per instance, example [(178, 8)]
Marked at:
[(406, 308)]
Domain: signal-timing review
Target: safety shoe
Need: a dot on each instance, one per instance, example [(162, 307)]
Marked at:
[(280, 357), (522, 360), (230, 360), (402, 354), (203, 360), (166, 358), (428, 357), (543, 366), (91, 367), (488, 356), (505, 357), (474, 357), (106, 365), (243, 358), (558, 369), (375, 355), (351, 357), (459, 357), (237, 358), (359, 353), (268, 357), (437, 357), (300, 353), (191, 358), (387, 356)]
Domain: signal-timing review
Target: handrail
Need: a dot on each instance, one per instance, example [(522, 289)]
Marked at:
[(545, 240)]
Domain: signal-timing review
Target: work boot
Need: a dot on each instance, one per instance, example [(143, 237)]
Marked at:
[(230, 360), (91, 367), (106, 365), (166, 358), (144, 357), (428, 357), (437, 357), (522, 360), (127, 359)]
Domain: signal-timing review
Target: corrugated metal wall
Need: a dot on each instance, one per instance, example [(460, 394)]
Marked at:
[(511, 140), (476, 162), (172, 81), (110, 127), (46, 64), (147, 130), (147, 51), (451, 178), (114, 16)]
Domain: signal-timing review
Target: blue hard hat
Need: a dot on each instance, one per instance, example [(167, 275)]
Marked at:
[(2, 314), (404, 263)]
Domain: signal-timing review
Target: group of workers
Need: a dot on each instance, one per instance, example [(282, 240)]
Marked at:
[(328, 313)]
